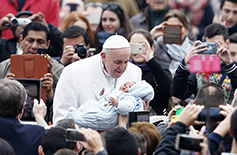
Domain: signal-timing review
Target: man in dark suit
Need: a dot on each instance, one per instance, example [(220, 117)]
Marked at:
[(24, 138)]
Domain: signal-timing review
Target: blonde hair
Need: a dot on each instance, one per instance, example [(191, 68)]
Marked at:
[(150, 132)]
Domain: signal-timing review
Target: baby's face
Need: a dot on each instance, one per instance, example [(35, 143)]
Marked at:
[(126, 86)]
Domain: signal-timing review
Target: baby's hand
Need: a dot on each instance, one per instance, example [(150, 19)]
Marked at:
[(114, 101)]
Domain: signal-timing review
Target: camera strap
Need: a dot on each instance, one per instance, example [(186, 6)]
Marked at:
[(222, 78)]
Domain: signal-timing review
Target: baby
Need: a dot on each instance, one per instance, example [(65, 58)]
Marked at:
[(103, 114)]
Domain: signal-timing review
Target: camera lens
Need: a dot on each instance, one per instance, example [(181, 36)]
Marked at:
[(14, 22), (80, 50)]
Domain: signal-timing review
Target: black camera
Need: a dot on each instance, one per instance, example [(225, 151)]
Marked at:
[(73, 135), (185, 142), (80, 50), (213, 113), (42, 51)]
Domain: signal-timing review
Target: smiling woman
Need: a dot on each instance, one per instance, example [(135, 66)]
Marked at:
[(113, 21), (152, 72)]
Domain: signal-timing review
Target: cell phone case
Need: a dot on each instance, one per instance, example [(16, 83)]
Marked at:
[(205, 63), (172, 34), (30, 66)]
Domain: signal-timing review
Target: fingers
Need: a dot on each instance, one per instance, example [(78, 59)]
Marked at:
[(93, 138), (146, 104), (196, 49), (68, 54), (6, 22), (39, 108), (226, 109), (203, 129), (36, 102), (198, 122), (190, 113), (38, 17), (10, 75), (47, 81), (75, 57)]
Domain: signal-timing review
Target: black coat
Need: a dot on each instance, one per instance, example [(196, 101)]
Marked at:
[(160, 79)]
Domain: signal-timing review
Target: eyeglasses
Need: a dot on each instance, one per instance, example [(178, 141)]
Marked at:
[(110, 6)]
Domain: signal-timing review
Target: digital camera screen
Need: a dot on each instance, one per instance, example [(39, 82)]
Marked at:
[(33, 90), (143, 117)]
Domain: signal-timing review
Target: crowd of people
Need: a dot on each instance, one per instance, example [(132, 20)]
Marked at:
[(106, 62)]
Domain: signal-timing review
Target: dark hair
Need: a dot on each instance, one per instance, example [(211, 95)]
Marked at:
[(215, 29), (233, 38), (178, 14), (120, 141), (125, 24), (141, 142), (210, 95), (233, 124), (72, 18), (54, 139), (223, 1), (66, 123), (65, 152), (145, 33), (35, 26), (6, 148), (12, 97), (76, 31)]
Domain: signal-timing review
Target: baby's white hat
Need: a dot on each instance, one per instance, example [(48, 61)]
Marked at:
[(115, 42)]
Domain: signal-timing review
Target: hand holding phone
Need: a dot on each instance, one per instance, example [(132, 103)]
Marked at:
[(211, 48), (136, 48), (94, 141), (74, 135), (172, 34), (185, 142)]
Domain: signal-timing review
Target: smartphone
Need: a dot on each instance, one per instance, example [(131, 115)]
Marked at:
[(138, 116), (211, 48), (172, 34), (174, 118), (185, 142), (74, 135), (42, 51), (136, 48), (33, 90), (213, 113), (204, 63)]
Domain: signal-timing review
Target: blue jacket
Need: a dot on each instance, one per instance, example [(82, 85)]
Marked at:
[(24, 138)]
